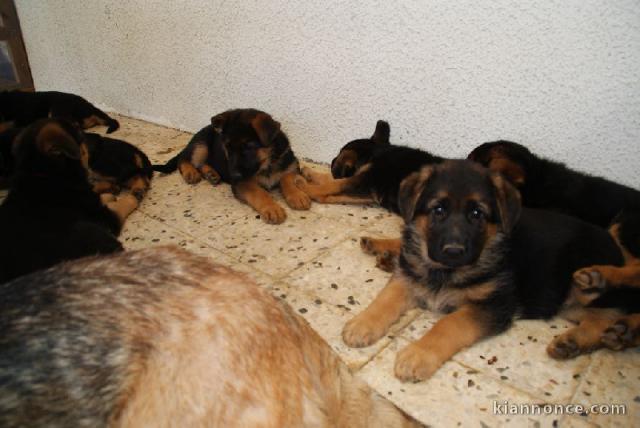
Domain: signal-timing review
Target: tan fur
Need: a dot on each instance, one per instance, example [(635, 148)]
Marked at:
[(91, 121), (388, 306), (447, 337), (586, 336), (190, 174), (295, 197), (199, 155), (508, 168), (325, 189), (250, 192), (123, 206), (221, 352), (138, 184)]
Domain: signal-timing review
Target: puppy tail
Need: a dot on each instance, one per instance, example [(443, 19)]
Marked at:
[(108, 121), (168, 167)]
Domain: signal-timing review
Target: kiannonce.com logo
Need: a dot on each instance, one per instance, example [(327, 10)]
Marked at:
[(506, 408)]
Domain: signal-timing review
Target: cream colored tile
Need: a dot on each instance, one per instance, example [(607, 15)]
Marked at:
[(277, 249), (199, 210), (455, 396), (344, 276), (612, 378), (518, 357)]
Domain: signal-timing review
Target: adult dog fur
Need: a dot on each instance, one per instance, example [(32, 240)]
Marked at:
[(164, 338), (21, 109), (471, 251), (51, 213), (552, 185), (246, 148)]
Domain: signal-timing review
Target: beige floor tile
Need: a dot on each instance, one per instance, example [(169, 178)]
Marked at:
[(612, 378), (455, 396), (518, 357)]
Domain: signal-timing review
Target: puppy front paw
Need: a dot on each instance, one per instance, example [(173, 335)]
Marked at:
[(624, 333), (415, 364), (298, 200), (361, 331), (273, 213), (564, 347)]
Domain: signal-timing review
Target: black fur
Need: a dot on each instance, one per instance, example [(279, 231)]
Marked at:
[(24, 108), (51, 213)]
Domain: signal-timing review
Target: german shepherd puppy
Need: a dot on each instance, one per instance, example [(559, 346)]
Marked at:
[(21, 109), (552, 185), (246, 148), (115, 164), (157, 338), (51, 213), (471, 251), (367, 170)]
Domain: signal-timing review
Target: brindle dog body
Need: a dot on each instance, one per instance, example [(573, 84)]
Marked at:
[(552, 185), (51, 213), (158, 338), (21, 109), (470, 251), (246, 148)]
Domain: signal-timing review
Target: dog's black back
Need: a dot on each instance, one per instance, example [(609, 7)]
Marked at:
[(116, 158), (552, 185), (24, 108), (51, 213)]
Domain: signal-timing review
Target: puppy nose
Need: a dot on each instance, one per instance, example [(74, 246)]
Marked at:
[(453, 250)]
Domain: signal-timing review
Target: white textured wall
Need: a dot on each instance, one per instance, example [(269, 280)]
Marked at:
[(561, 76)]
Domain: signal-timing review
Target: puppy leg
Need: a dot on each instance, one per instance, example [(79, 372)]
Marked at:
[(210, 174), (250, 192), (335, 191), (623, 333), (138, 186), (449, 335), (583, 338), (296, 198), (315, 177), (386, 251), (190, 174), (374, 322), (590, 282), (123, 206)]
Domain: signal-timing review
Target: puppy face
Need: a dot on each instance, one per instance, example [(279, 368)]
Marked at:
[(246, 136), (512, 160), (458, 207), (358, 153)]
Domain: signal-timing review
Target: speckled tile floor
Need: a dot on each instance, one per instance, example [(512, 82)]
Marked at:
[(313, 261)]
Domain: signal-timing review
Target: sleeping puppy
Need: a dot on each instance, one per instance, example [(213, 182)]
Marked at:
[(247, 149), (115, 164), (51, 213), (21, 109), (470, 251)]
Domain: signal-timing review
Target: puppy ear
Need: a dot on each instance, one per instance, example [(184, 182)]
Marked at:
[(410, 190), (265, 127), (510, 169), (382, 132), (507, 200), (219, 121), (52, 139)]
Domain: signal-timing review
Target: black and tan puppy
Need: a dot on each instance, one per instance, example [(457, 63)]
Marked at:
[(470, 251), (367, 170), (157, 338), (552, 185), (115, 164), (246, 148), (20, 109), (51, 213)]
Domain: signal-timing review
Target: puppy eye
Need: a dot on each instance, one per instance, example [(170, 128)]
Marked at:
[(439, 211), (476, 214)]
